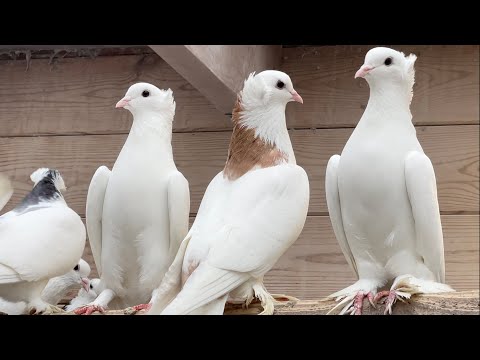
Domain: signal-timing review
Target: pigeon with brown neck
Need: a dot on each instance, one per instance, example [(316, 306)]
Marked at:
[(251, 213)]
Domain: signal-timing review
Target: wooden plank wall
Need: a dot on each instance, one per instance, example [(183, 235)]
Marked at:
[(63, 116)]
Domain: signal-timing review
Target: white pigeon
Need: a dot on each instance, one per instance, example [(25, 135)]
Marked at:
[(84, 296), (58, 287), (382, 196), (137, 214), (251, 212), (40, 239)]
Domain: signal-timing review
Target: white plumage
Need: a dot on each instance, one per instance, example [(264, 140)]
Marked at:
[(85, 297), (137, 214), (381, 192), (58, 287), (13, 308), (40, 239), (251, 212)]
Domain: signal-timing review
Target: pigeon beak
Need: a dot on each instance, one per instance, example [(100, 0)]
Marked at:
[(364, 70), (85, 284), (124, 102), (296, 97)]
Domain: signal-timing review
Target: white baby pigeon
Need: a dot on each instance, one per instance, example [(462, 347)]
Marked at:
[(251, 212), (40, 239), (137, 214), (58, 287), (382, 195), (85, 296)]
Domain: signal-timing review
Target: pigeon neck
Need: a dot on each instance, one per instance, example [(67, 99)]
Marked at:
[(259, 140), (269, 124), (389, 101), (152, 124), (151, 133)]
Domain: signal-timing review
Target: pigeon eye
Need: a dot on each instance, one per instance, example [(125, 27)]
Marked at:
[(280, 84), (76, 267), (388, 61), (91, 286), (146, 93)]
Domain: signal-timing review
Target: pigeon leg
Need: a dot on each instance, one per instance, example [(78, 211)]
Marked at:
[(266, 300), (40, 307), (405, 286), (353, 303), (391, 298), (134, 309), (99, 304), (89, 309)]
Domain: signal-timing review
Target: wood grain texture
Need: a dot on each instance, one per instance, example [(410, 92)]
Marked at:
[(446, 87), (454, 303), (315, 267), (200, 156), (78, 95)]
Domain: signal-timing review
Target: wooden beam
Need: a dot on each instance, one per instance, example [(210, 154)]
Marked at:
[(455, 303), (218, 71)]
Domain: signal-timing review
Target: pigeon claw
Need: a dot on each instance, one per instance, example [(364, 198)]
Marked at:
[(134, 309), (357, 307), (89, 309), (353, 303), (389, 299)]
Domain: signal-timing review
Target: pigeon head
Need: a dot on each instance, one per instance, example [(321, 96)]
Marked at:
[(260, 136), (79, 274), (384, 66), (48, 185), (268, 88), (144, 97), (45, 175), (95, 285), (92, 288), (82, 271)]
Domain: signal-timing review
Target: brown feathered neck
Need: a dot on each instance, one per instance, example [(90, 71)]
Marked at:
[(246, 150)]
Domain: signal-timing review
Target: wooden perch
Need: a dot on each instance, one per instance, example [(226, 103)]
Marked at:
[(455, 303)]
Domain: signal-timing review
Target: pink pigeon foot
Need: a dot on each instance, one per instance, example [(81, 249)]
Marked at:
[(354, 303), (391, 298), (134, 309), (358, 302), (142, 307), (89, 309)]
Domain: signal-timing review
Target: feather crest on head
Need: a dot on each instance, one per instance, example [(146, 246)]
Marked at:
[(410, 73), (41, 173), (253, 93)]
